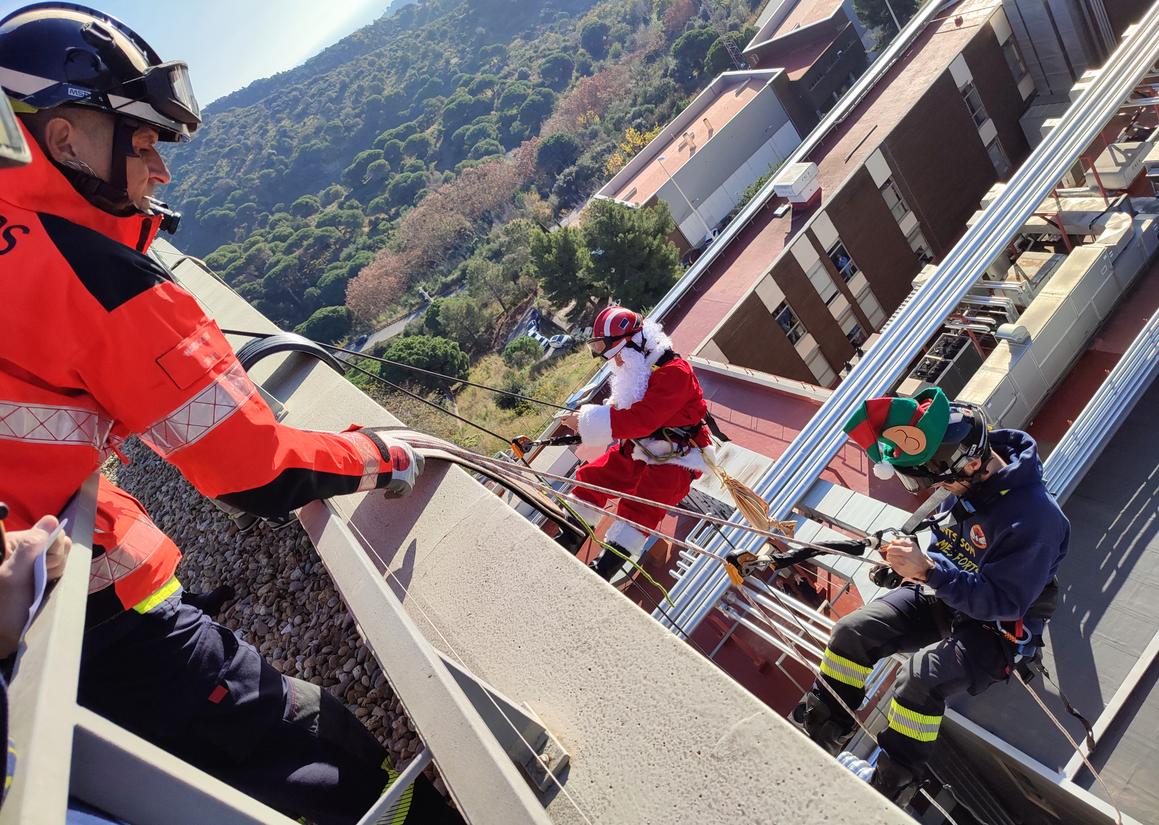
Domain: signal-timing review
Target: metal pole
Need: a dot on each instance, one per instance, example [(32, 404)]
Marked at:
[(894, 16)]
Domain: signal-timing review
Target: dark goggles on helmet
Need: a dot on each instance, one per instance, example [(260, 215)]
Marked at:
[(169, 91), (107, 78)]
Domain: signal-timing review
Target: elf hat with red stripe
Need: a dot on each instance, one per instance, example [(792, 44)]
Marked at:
[(902, 432)]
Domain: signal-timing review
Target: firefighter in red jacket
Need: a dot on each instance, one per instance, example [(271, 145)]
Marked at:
[(100, 344), (647, 439)]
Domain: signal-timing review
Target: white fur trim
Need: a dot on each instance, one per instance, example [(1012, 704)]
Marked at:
[(627, 536), (595, 424), (629, 381), (659, 447)]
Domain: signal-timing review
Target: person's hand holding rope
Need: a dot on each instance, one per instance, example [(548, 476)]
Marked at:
[(906, 558)]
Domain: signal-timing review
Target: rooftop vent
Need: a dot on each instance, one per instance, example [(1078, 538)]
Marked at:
[(797, 182)]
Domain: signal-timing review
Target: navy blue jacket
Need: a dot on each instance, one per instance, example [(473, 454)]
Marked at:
[(994, 562)]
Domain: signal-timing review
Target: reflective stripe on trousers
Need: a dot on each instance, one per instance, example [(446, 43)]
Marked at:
[(844, 670), (920, 726)]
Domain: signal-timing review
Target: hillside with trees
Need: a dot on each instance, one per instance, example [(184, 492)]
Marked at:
[(435, 151)]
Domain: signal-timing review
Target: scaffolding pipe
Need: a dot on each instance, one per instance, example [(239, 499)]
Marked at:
[(786, 648)]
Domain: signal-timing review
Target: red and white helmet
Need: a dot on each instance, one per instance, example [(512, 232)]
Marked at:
[(616, 326)]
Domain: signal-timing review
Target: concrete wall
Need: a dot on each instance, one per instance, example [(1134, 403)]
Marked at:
[(737, 154), (945, 174), (656, 732), (1056, 40)]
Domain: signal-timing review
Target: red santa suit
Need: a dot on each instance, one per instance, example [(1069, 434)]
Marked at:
[(650, 391)]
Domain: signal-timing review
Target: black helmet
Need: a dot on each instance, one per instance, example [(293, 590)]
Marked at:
[(57, 53)]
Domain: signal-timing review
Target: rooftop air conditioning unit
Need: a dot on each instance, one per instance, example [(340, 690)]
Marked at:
[(797, 182)]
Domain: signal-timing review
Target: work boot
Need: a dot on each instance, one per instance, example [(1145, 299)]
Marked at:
[(815, 718), (607, 563), (893, 781), (209, 603)]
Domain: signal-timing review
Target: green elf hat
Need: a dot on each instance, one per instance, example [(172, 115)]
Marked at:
[(900, 432)]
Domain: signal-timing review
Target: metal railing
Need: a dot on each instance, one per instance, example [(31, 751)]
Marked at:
[(66, 750), (1083, 442), (701, 587)]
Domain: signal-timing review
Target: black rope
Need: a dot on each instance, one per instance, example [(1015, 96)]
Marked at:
[(410, 367), (429, 403)]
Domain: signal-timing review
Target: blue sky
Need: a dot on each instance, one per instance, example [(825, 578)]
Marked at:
[(229, 43)]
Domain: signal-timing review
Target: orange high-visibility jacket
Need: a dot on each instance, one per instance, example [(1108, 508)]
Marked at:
[(98, 343)]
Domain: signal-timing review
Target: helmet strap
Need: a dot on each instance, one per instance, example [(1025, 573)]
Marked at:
[(108, 196)]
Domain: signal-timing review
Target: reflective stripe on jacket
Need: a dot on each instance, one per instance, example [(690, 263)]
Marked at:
[(100, 343)]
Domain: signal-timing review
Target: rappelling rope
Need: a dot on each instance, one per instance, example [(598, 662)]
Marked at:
[(670, 508), (403, 365), (1062, 729)]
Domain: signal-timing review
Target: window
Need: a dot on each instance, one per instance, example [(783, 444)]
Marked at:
[(974, 104), (917, 242), (855, 335), (789, 322), (1014, 59), (998, 158), (893, 199), (819, 277), (842, 261)]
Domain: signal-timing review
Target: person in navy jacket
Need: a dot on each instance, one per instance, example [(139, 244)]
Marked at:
[(983, 586)]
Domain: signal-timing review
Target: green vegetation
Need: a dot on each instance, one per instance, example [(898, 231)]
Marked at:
[(875, 14), (432, 152)]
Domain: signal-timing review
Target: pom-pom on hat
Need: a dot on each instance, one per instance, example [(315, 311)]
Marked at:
[(901, 432)]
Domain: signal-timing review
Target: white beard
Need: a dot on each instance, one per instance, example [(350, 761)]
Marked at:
[(630, 381)]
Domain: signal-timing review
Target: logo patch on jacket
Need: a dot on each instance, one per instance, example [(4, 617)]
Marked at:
[(977, 537)]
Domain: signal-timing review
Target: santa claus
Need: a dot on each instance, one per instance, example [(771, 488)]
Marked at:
[(647, 438)]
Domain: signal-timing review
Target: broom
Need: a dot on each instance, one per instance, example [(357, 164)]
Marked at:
[(754, 509)]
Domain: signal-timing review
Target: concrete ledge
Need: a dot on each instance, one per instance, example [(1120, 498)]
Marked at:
[(655, 731)]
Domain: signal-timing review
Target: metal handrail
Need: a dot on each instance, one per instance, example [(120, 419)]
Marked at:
[(64, 750), (814, 447), (1083, 442)]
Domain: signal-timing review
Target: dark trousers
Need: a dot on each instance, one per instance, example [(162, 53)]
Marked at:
[(952, 653), (189, 685)]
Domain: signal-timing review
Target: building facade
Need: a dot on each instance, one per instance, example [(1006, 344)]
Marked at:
[(893, 197)]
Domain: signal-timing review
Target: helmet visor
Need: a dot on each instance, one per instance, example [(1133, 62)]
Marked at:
[(169, 91)]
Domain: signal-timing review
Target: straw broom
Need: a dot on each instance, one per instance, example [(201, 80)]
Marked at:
[(754, 508)]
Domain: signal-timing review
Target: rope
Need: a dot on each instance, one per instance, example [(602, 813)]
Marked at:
[(671, 508), (1062, 729), (430, 403), (404, 366)]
